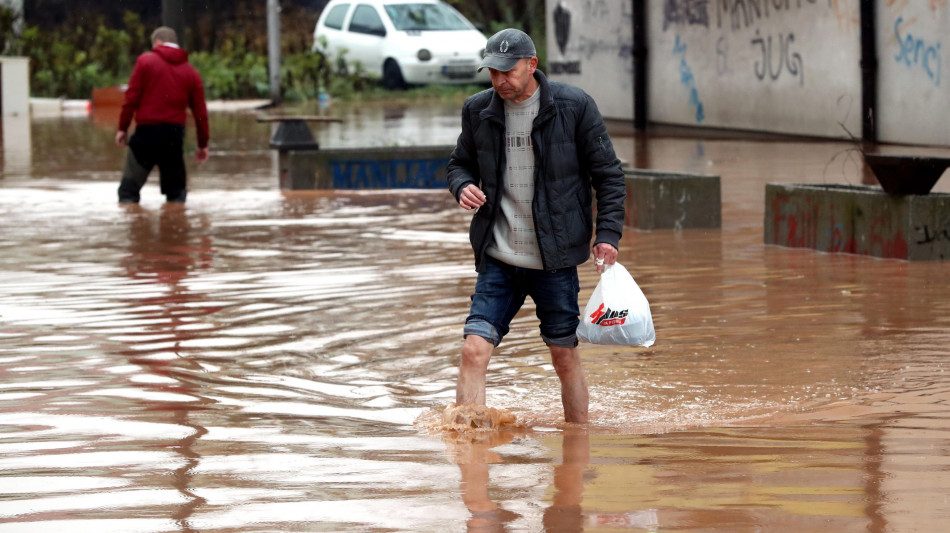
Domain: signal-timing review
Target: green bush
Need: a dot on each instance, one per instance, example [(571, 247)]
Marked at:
[(61, 69), (235, 76), (72, 67), (70, 64)]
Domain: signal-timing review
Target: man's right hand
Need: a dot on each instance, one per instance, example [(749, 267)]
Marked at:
[(201, 155), (471, 197), (121, 138)]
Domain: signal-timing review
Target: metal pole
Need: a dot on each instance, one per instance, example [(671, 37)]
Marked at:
[(273, 48), (639, 65), (868, 73), (17, 7), (173, 17)]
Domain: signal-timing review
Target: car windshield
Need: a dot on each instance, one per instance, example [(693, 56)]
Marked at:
[(425, 17)]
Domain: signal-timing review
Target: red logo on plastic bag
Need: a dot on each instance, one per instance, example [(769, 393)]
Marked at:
[(608, 317)]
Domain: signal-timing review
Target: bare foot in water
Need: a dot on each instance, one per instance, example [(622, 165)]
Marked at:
[(477, 417)]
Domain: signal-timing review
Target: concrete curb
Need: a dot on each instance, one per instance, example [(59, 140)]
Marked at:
[(672, 200), (858, 220), (405, 167)]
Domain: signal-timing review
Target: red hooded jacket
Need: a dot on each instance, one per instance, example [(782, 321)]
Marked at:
[(162, 86)]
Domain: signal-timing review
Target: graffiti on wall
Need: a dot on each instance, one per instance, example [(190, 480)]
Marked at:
[(733, 14), (685, 12), (852, 219), (562, 34), (688, 80), (918, 52), (739, 14), (594, 14), (772, 54), (930, 235), (780, 57), (800, 221)]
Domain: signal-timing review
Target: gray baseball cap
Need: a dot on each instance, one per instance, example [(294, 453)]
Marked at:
[(506, 48)]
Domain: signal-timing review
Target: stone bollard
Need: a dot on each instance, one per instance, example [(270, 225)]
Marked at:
[(404, 167), (15, 86), (664, 200), (858, 220)]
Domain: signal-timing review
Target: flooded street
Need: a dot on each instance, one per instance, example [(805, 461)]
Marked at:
[(258, 359)]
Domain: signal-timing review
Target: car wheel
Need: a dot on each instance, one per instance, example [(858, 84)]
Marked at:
[(392, 76)]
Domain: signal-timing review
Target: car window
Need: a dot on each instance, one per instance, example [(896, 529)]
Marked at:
[(366, 20), (335, 16), (431, 17)]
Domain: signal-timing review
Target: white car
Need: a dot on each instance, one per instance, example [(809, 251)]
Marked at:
[(402, 41)]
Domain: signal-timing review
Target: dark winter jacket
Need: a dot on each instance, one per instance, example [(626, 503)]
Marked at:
[(572, 154), (162, 86)]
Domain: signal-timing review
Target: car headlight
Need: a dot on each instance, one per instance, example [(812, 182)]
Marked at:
[(424, 55)]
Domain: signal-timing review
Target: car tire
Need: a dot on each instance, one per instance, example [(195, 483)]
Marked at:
[(392, 76)]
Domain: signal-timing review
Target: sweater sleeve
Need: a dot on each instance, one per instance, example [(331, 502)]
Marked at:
[(463, 166), (133, 95), (606, 175), (199, 110)]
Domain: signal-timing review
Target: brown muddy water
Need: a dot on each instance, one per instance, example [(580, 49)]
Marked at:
[(258, 360)]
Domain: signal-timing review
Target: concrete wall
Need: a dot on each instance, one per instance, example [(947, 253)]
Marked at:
[(591, 48), (788, 66), (14, 86), (406, 167), (784, 66), (858, 220), (672, 200), (914, 76)]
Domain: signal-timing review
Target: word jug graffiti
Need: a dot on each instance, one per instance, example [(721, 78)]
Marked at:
[(618, 312)]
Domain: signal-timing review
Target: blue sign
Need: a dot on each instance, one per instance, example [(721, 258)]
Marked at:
[(389, 174)]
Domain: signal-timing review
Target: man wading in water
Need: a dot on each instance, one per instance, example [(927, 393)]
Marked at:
[(529, 152), (162, 87)]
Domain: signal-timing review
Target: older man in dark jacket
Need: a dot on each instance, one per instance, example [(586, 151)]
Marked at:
[(528, 156)]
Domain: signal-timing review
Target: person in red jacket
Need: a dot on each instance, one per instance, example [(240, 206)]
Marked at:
[(162, 87)]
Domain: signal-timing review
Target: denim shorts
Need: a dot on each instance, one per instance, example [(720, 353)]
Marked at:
[(500, 292)]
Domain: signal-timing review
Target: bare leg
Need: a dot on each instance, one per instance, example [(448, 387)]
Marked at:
[(567, 364), (476, 353)]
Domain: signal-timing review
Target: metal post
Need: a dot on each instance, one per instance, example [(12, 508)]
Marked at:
[(273, 48), (17, 7), (639, 65), (868, 73), (173, 17)]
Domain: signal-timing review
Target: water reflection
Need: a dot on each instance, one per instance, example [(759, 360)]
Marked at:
[(472, 453), (164, 252), (17, 145), (565, 513)]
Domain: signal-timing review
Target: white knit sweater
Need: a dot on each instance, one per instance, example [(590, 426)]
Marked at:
[(515, 242)]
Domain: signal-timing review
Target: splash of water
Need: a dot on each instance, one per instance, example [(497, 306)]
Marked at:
[(468, 418)]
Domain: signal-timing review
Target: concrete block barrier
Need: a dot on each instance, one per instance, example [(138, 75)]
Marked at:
[(405, 167), (858, 220), (665, 200)]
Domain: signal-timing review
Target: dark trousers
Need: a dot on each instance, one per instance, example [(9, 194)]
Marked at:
[(151, 145)]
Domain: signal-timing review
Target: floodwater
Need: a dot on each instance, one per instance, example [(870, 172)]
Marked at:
[(261, 360)]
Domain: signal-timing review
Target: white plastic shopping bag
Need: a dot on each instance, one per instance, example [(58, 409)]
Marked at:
[(618, 312)]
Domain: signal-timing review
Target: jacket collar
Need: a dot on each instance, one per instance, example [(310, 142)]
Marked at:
[(496, 107)]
